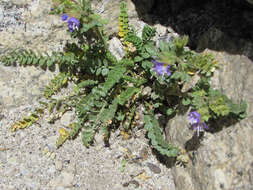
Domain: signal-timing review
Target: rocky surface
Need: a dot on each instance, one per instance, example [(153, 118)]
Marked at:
[(193, 18), (216, 39), (223, 159)]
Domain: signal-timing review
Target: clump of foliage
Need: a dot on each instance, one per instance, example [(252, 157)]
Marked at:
[(107, 92)]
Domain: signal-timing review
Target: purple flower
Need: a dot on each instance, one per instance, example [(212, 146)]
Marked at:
[(194, 117), (195, 122), (161, 68), (73, 24), (199, 127), (64, 17)]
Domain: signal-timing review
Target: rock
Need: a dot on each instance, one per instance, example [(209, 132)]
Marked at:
[(220, 158), (116, 48), (215, 39), (67, 118), (146, 91), (109, 10), (51, 143), (24, 26), (250, 1), (143, 7), (166, 34), (154, 168), (65, 179), (58, 165)]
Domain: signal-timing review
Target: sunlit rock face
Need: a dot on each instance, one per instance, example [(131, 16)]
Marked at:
[(223, 159)]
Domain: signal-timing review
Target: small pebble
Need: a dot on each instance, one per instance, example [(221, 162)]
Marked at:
[(58, 165), (155, 169), (48, 154), (52, 156)]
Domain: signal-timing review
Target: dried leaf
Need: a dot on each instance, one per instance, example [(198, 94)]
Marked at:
[(125, 135), (143, 176)]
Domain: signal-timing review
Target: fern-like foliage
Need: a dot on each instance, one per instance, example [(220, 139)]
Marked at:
[(25, 122), (214, 104), (123, 21), (56, 84), (157, 139)]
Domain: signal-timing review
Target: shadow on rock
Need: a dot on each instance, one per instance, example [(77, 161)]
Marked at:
[(214, 24)]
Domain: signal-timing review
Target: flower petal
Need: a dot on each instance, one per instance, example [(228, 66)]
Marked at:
[(194, 117), (64, 17), (73, 24), (161, 68)]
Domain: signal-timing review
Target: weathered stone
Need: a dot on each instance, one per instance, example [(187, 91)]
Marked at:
[(30, 27), (58, 165), (220, 156), (67, 118), (65, 179), (109, 10), (154, 168), (250, 1), (116, 48), (217, 40)]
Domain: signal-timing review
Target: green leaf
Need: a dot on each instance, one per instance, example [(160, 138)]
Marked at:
[(145, 55), (127, 94), (138, 59), (148, 33), (156, 137), (186, 101), (146, 64), (75, 130), (114, 76), (123, 165), (150, 48), (169, 111), (164, 46), (87, 137), (105, 71)]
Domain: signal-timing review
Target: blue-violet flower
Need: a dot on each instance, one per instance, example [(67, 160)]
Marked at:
[(64, 17), (73, 24), (195, 122), (161, 68), (194, 117)]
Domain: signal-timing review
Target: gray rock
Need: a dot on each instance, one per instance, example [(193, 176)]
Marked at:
[(109, 10), (65, 179), (67, 118), (154, 168), (250, 1), (58, 165), (223, 160), (215, 39), (146, 91), (116, 48)]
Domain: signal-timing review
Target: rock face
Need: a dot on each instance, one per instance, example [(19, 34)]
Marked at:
[(215, 39), (109, 10), (27, 24), (223, 160)]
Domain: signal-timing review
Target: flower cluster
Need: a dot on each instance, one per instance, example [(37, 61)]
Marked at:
[(73, 22), (161, 68), (195, 122)]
